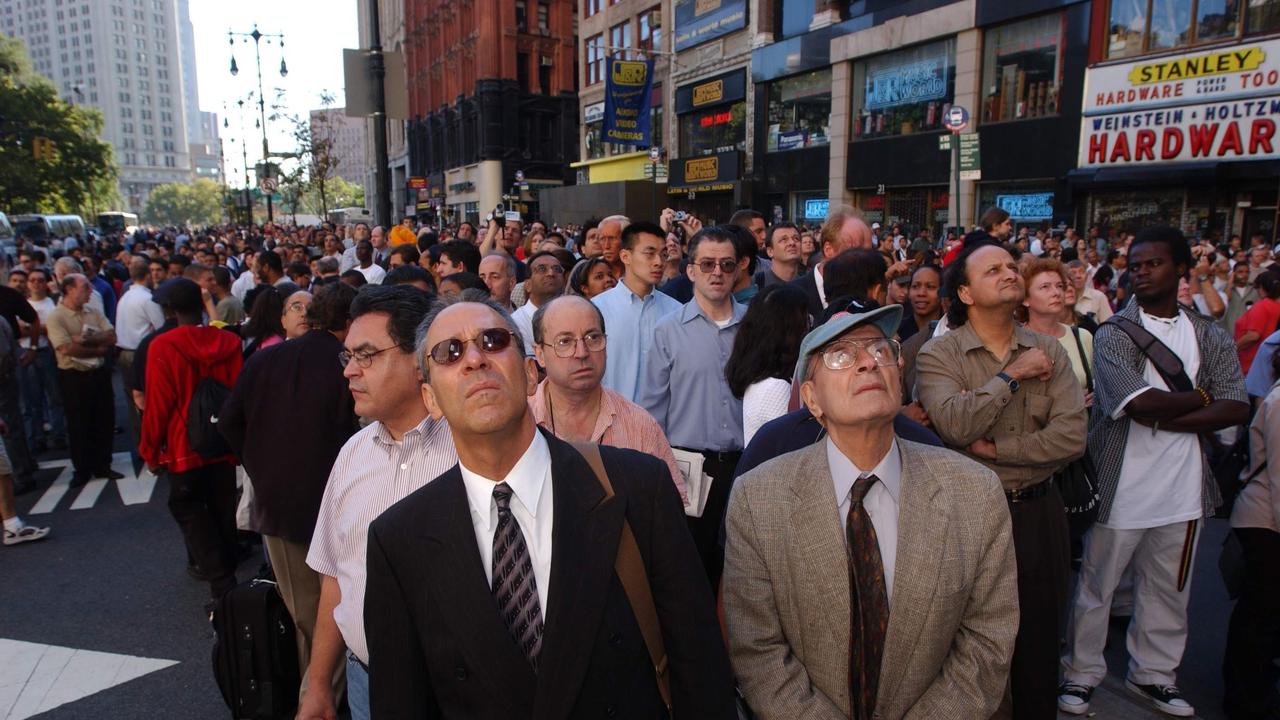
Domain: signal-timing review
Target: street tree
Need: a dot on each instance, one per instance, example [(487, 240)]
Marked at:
[(195, 204), (51, 159)]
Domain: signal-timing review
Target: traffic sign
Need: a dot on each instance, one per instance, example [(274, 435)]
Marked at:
[(268, 185), (970, 157), (944, 142), (957, 119)]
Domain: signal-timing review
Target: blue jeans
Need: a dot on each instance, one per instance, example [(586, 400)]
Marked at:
[(357, 688), (41, 401)]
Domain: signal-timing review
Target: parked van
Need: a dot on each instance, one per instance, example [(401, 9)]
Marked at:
[(42, 229), (350, 215)]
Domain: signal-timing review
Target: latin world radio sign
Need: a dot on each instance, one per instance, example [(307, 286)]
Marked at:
[(1217, 105)]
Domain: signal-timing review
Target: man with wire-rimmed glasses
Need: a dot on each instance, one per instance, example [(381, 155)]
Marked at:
[(570, 342), (867, 575), (400, 450)]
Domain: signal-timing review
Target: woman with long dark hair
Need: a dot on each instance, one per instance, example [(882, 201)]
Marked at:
[(764, 354), (265, 326)]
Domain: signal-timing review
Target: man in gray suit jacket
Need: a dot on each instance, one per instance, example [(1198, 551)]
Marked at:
[(868, 576)]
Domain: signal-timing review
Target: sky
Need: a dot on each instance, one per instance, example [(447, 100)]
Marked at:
[(315, 33)]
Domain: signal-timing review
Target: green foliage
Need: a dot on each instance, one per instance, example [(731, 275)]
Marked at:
[(72, 175), (195, 204)]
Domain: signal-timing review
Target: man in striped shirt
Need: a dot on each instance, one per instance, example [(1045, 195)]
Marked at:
[(401, 450)]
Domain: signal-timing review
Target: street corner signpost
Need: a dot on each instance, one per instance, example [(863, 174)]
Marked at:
[(957, 119), (627, 94), (268, 185), (970, 157)]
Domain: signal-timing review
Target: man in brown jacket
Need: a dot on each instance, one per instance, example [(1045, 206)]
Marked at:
[(866, 575), (1008, 398)]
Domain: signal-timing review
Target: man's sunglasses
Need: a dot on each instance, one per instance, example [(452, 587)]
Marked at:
[(492, 341)]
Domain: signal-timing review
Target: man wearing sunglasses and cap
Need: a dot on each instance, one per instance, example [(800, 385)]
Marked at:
[(867, 575), (493, 591)]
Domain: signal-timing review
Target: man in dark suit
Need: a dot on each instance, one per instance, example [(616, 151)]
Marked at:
[(492, 591)]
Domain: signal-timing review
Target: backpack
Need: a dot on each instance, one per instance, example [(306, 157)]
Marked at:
[(202, 418)]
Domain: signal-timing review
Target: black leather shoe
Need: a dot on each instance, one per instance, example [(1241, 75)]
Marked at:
[(109, 474), (80, 479), (22, 487)]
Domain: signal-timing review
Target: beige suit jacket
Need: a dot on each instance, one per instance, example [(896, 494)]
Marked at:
[(954, 612)]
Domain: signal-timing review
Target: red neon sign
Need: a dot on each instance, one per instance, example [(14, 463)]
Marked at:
[(715, 119)]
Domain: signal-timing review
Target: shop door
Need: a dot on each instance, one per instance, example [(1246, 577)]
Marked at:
[(1260, 221), (909, 208)]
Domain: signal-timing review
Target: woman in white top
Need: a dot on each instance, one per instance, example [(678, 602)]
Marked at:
[(1248, 670), (764, 354), (1043, 308)]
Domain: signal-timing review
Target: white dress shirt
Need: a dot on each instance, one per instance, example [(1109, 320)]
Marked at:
[(523, 318), (530, 483), (881, 501), (136, 317), (372, 472)]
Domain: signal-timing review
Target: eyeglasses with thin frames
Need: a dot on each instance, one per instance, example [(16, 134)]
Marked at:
[(843, 354), (363, 358), (566, 346)]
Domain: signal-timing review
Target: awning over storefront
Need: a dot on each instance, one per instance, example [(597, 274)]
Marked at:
[(1174, 174)]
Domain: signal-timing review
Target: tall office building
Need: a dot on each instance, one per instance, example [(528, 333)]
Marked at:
[(348, 135), (124, 58)]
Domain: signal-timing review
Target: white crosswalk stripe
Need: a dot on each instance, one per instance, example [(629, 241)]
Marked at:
[(132, 489)]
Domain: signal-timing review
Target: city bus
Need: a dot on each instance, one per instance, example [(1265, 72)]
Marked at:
[(40, 229), (114, 222)]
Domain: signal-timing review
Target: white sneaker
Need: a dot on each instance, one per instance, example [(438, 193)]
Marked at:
[(27, 533), (1073, 698)]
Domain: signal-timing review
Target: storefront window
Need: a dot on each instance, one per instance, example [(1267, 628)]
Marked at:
[(1132, 211), (1022, 70), (592, 134), (800, 111), (718, 129), (903, 92), (1143, 26), (655, 126), (1264, 15)]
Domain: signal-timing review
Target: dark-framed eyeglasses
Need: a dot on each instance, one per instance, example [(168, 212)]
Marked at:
[(491, 342), (363, 358), (548, 269), (843, 354), (708, 265), (568, 345)]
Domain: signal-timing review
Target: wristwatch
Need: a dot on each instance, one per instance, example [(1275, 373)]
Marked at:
[(1013, 384)]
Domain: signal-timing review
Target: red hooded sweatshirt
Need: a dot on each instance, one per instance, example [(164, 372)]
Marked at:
[(176, 362)]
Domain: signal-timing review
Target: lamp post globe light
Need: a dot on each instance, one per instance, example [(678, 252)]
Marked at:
[(258, 36)]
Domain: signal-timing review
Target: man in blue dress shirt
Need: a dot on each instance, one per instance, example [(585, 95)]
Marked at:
[(684, 387), (632, 308)]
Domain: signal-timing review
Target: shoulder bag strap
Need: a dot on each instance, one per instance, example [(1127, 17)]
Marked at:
[(1084, 359), (1166, 361), (635, 581)]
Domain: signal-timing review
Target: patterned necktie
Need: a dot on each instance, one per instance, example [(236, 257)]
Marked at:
[(514, 587), (868, 602)]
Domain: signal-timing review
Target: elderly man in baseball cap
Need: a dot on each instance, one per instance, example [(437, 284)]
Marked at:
[(867, 575)]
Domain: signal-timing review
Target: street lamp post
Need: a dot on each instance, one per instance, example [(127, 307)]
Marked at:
[(244, 160), (257, 37), (655, 155)]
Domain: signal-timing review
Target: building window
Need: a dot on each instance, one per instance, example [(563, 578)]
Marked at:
[(522, 71), (651, 29), (905, 91), (595, 59), (590, 7), (715, 130), (544, 16), (522, 16), (800, 111), (1137, 27), (620, 40), (1022, 69)]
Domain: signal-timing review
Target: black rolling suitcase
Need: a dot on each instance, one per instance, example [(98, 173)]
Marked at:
[(255, 655)]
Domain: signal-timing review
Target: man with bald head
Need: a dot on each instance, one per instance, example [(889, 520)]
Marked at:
[(521, 534), (844, 230), (570, 343), (609, 234), (499, 275)]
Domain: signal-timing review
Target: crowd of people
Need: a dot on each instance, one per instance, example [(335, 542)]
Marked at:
[(516, 468)]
